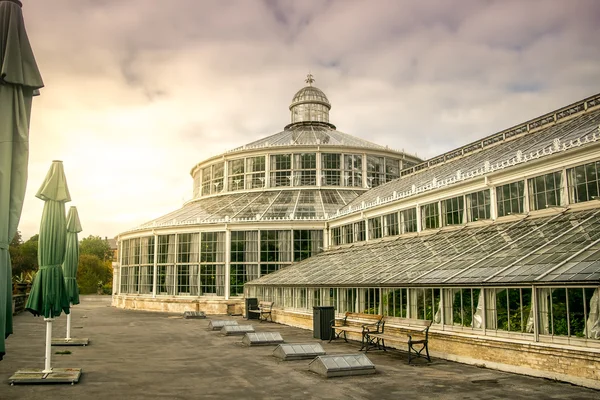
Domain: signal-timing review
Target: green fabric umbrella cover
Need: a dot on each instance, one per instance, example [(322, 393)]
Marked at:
[(48, 296), (72, 255), (19, 78)]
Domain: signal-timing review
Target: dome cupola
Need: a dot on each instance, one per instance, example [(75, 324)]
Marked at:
[(310, 105)]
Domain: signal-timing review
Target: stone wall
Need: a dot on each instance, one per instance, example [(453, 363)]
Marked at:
[(18, 303)]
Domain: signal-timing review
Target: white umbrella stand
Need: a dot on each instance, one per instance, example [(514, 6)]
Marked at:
[(68, 340)]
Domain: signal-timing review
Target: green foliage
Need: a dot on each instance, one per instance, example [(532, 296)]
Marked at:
[(23, 255), (91, 271), (24, 277), (96, 246), (107, 288)]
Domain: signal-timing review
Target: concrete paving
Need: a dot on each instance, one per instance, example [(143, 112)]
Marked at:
[(147, 355)]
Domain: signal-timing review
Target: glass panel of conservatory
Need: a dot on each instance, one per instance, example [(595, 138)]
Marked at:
[(375, 171), (430, 216), (305, 169), (391, 225), (275, 246), (349, 299), (283, 205), (394, 302), (463, 307), (452, 210), (510, 198), (512, 309), (545, 191), (212, 263), (583, 182), (308, 205), (330, 169), (239, 275), (255, 172), (409, 220), (307, 243), (348, 233), (147, 264), (375, 228), (197, 184), (478, 205), (569, 312), (369, 300), (236, 174), (353, 170), (281, 170), (183, 279), (392, 169), (206, 180), (360, 231), (336, 236), (218, 173)]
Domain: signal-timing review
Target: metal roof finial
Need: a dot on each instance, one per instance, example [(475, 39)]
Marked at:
[(309, 79)]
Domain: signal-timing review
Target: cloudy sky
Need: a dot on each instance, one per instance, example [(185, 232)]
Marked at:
[(139, 91)]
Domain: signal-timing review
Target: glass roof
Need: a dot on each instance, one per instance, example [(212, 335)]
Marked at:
[(311, 134), (289, 204), (465, 163), (560, 248)]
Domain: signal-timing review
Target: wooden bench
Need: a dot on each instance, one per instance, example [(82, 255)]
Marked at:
[(366, 322), (263, 311), (421, 328)]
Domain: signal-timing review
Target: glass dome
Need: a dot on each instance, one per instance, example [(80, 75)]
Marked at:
[(310, 104), (310, 94)]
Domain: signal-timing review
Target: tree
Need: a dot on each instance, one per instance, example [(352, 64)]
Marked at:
[(17, 240), (24, 255), (96, 246), (92, 271)]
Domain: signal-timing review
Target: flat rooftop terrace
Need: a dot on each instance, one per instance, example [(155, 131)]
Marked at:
[(146, 355)]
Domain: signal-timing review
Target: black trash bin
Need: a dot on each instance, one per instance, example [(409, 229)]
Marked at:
[(322, 317), (251, 304)]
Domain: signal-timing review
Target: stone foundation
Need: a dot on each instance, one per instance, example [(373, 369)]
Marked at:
[(179, 305)]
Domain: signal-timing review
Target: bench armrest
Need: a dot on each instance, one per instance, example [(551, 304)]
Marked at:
[(423, 331), (371, 327)]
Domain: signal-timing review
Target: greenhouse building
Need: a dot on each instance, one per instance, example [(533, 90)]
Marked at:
[(497, 242)]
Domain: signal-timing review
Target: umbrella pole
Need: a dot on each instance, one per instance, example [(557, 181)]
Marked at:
[(68, 326), (47, 361)]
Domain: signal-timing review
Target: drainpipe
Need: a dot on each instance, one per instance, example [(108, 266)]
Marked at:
[(536, 325), (155, 266)]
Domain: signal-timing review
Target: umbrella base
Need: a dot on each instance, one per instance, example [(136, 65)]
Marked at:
[(70, 342), (58, 375)]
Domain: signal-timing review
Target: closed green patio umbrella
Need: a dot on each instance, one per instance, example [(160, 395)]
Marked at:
[(19, 79), (72, 255), (70, 272), (48, 296)]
